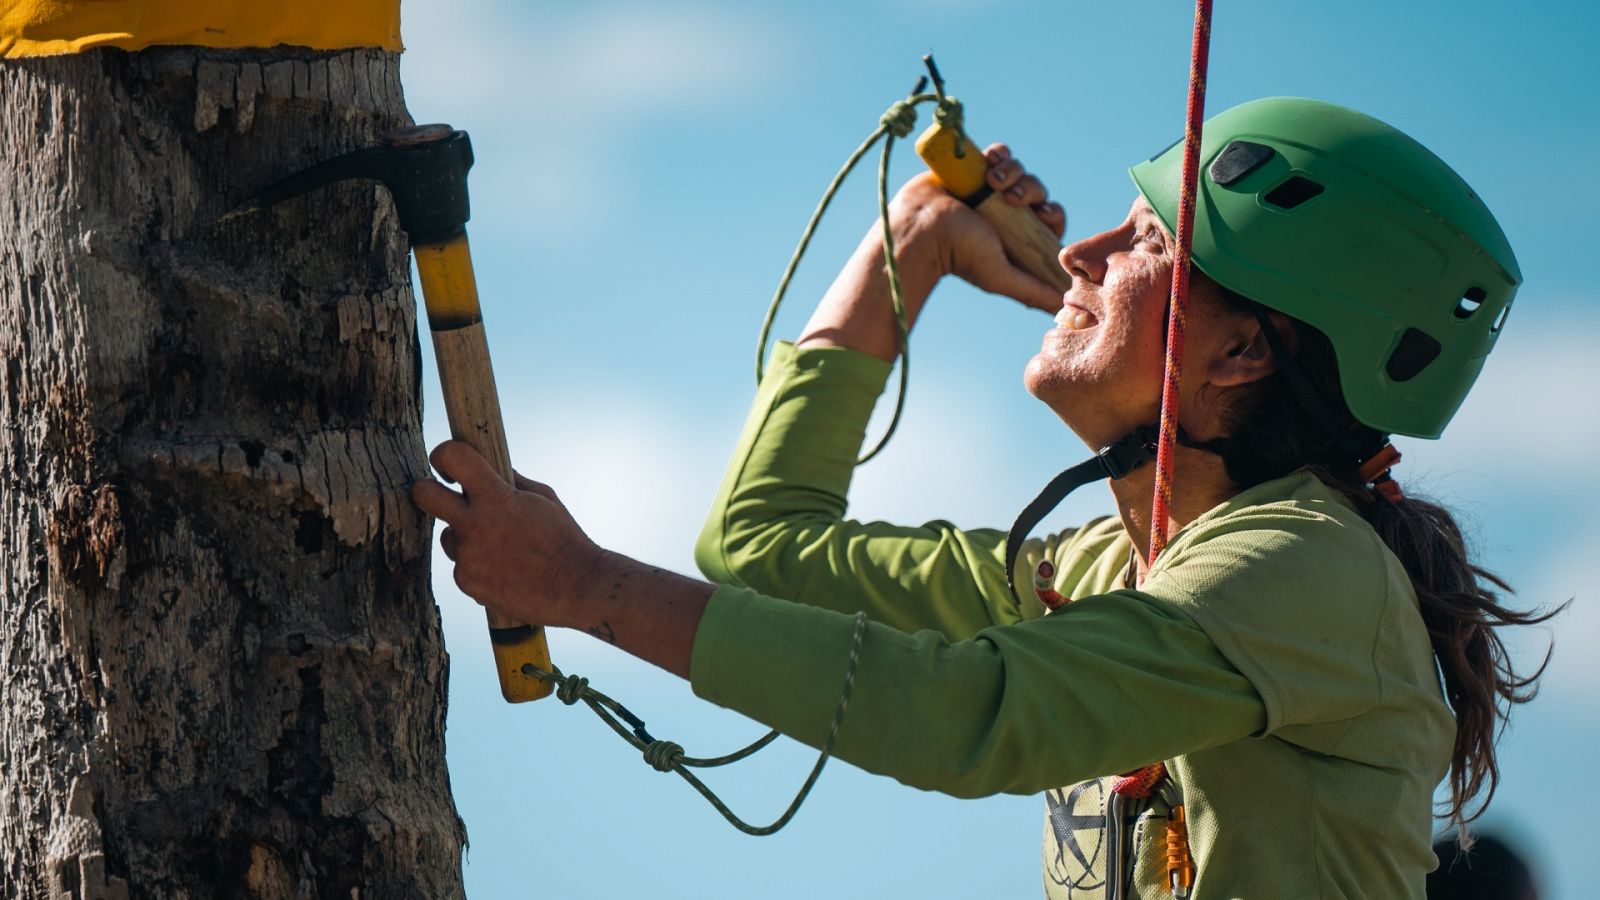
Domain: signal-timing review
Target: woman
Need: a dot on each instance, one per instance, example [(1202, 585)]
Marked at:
[(1282, 656)]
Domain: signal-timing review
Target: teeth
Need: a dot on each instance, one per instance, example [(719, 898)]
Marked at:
[(1074, 318)]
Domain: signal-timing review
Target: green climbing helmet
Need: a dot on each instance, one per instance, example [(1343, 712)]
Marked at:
[(1338, 220)]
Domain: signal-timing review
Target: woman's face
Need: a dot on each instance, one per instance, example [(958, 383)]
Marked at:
[(1100, 368)]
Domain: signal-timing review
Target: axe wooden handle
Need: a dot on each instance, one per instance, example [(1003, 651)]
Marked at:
[(450, 294), (1030, 245)]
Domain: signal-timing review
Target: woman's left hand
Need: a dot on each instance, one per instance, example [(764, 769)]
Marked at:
[(516, 549)]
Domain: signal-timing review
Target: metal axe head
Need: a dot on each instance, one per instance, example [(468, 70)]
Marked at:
[(424, 168)]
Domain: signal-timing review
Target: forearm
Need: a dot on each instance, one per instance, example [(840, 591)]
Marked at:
[(647, 611), (857, 311)]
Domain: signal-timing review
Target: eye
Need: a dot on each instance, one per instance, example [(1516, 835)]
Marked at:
[(1151, 238)]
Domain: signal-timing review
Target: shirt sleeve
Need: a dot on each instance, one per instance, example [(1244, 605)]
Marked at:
[(778, 523), (1102, 686)]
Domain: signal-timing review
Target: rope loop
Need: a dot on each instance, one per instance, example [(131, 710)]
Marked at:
[(669, 756), (663, 756), (900, 118)]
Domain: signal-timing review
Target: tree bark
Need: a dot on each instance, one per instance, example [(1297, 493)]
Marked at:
[(222, 666)]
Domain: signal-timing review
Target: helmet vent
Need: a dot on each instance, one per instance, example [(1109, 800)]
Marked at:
[(1500, 320), (1293, 192), (1415, 351), (1237, 160), (1471, 301)]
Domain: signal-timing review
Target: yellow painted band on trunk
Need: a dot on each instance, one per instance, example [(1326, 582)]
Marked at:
[(449, 290), (962, 177), (55, 27)]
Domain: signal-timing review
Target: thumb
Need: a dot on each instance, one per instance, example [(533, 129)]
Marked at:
[(459, 461), (534, 487)]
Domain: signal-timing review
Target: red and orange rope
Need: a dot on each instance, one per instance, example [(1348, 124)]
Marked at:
[(1142, 782)]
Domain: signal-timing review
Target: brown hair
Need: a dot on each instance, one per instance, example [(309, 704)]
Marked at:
[(1273, 434)]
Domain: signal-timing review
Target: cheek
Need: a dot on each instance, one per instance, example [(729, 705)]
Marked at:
[(1122, 356), (1142, 327)]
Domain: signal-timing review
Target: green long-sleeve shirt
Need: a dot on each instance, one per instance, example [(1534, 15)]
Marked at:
[(1274, 657)]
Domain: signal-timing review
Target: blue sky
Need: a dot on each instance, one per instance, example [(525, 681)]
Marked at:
[(643, 172)]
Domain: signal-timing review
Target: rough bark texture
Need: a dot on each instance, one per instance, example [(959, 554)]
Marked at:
[(222, 668)]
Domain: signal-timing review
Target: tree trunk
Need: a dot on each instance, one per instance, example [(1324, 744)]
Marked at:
[(222, 667)]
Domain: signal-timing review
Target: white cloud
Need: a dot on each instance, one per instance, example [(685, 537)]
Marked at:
[(1532, 413), (1570, 570), (558, 102), (492, 57), (633, 471)]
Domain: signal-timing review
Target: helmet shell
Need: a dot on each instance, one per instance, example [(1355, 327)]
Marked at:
[(1336, 219)]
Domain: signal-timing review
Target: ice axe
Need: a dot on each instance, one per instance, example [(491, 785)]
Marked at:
[(425, 170)]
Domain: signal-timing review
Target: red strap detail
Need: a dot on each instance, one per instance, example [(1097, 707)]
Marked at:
[(1389, 489), (1379, 464), (1140, 783), (1044, 586)]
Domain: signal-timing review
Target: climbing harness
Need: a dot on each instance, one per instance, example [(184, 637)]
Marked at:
[(669, 756)]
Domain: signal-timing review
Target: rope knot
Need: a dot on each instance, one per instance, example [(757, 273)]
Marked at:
[(571, 690), (948, 114), (663, 756), (900, 118)]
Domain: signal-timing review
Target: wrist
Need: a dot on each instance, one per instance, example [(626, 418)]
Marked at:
[(857, 311), (596, 581), (647, 611)]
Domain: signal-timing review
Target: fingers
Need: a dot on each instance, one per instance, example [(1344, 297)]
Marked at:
[(457, 461), (1008, 178), (447, 542), (1019, 188), (438, 501), (1053, 216)]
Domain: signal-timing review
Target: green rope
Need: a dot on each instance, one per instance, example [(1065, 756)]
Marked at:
[(669, 756), (896, 122)]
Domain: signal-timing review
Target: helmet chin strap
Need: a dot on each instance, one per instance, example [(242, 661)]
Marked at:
[(1115, 462)]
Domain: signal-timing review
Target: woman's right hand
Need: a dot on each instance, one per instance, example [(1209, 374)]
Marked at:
[(935, 235)]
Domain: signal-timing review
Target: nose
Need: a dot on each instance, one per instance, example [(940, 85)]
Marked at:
[(1086, 259)]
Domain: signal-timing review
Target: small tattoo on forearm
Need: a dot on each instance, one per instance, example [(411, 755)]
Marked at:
[(604, 632), (616, 586)]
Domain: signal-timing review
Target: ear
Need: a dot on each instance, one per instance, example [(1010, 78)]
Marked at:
[(1247, 356)]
